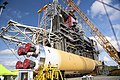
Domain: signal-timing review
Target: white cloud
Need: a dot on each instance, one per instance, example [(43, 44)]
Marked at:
[(97, 9), (106, 58), (116, 26), (8, 59), (18, 14), (115, 15), (103, 56), (15, 14), (27, 13), (78, 2), (110, 39), (10, 63), (6, 51), (106, 1)]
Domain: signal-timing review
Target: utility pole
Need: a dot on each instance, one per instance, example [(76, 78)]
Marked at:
[(3, 7)]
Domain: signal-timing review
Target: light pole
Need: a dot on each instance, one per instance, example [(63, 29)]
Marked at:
[(3, 7)]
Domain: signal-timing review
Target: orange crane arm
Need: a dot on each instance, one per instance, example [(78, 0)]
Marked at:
[(43, 8), (102, 40)]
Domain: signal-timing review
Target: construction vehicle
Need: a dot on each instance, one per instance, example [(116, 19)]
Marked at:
[(58, 46)]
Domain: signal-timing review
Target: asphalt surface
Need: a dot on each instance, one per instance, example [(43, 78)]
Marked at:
[(96, 78)]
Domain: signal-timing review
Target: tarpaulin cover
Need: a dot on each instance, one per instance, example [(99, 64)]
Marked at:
[(4, 71)]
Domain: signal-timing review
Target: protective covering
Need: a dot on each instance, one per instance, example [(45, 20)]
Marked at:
[(15, 72), (4, 71)]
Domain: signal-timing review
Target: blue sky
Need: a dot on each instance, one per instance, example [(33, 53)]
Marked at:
[(25, 12)]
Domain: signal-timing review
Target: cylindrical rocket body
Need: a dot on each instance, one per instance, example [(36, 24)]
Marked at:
[(66, 61)]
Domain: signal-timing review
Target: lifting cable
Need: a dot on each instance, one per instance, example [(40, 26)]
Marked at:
[(111, 26), (44, 34), (108, 5), (38, 20), (11, 50)]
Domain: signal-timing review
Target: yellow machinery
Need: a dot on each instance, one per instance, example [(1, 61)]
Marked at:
[(43, 8), (97, 34), (48, 72), (43, 73)]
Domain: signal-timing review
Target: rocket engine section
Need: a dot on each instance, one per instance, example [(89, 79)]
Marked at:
[(62, 60), (67, 61)]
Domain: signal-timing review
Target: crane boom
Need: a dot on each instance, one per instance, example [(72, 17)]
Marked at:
[(102, 40)]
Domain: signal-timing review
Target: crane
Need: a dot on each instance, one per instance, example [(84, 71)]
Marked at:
[(102, 40)]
